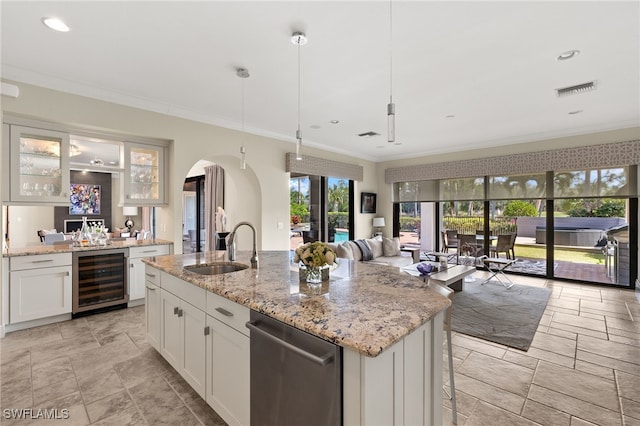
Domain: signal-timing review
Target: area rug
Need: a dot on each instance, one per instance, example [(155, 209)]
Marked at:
[(492, 312), (533, 267)]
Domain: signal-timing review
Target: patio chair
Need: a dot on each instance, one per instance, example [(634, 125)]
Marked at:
[(503, 245), (309, 236), (449, 240), (49, 239), (512, 245)]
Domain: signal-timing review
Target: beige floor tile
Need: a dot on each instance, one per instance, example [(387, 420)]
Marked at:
[(545, 415), (621, 324), (77, 415), (447, 419), (491, 394), (16, 394), (577, 384), (206, 414), (630, 421), (17, 367), (620, 351), (623, 340), (137, 369), (159, 404), (486, 414), (54, 391), (608, 362), (127, 417), (575, 407), (521, 358), (630, 408), (112, 405), (478, 345), (50, 372), (502, 374), (579, 330), (576, 421), (551, 357), (556, 344), (562, 333), (628, 385), (64, 347), (592, 314), (465, 403), (579, 321), (571, 304), (597, 370), (103, 383)]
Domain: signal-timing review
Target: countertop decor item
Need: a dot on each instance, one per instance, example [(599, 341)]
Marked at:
[(315, 259)]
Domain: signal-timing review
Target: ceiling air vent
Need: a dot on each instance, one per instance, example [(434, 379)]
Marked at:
[(578, 88), (368, 134)]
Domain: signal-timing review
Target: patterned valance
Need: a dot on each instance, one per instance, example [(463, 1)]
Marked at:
[(584, 157), (322, 167)]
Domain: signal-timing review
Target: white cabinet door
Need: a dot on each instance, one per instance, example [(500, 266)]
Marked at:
[(143, 182), (39, 169), (153, 314), (39, 293), (228, 372), (193, 332), (172, 347), (136, 279)]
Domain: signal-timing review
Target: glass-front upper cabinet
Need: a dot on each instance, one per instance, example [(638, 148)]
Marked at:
[(39, 168), (144, 175)]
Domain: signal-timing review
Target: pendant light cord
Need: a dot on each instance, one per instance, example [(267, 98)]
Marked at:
[(390, 52), (299, 90)]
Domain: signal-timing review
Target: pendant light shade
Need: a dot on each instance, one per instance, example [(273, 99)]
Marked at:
[(298, 38), (391, 107), (243, 74)]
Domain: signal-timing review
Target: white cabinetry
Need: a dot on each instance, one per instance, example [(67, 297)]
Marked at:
[(152, 308), (144, 175), (228, 359), (183, 330), (137, 268), (38, 171), (39, 286)]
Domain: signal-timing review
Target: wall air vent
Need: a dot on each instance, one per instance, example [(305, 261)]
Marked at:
[(369, 134), (578, 88)]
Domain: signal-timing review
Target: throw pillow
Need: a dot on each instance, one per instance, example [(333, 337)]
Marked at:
[(344, 250), (364, 249), (376, 247), (391, 246), (355, 250), (49, 231)]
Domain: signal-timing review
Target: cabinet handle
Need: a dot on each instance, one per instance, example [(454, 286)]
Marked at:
[(175, 310), (42, 261), (149, 251), (150, 275), (180, 312), (131, 265), (67, 274), (224, 312), (207, 330), (151, 288)]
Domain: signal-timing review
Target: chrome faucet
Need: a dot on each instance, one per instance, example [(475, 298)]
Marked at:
[(231, 245)]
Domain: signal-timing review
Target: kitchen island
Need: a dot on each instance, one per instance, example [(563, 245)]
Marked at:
[(388, 324)]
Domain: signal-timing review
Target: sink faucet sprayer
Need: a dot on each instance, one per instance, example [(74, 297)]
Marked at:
[(231, 245)]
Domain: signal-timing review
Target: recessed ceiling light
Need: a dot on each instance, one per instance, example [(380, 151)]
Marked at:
[(315, 126), (567, 55), (113, 163), (577, 111), (334, 121), (55, 24), (449, 116)]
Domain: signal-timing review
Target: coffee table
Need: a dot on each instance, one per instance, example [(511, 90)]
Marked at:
[(452, 277)]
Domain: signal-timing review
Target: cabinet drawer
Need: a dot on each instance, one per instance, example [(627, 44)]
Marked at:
[(228, 312), (19, 263), (186, 291), (148, 251), (152, 275)]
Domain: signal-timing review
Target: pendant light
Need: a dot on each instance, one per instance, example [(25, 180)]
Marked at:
[(243, 74), (391, 107), (298, 38)]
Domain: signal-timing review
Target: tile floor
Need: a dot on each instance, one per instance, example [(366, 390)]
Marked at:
[(583, 368)]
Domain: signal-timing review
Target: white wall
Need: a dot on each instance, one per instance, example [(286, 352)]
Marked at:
[(259, 194)]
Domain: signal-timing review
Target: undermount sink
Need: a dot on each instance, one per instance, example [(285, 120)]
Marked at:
[(216, 268)]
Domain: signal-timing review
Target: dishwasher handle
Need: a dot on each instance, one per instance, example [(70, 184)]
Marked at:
[(321, 360)]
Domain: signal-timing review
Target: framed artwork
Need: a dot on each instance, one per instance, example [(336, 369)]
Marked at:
[(84, 199), (367, 202)]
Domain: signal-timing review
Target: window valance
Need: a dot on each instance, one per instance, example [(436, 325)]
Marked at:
[(323, 167)]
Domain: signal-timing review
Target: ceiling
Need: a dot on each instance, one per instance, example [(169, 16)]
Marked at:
[(464, 74)]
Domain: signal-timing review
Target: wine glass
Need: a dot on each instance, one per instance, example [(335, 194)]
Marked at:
[(48, 188)]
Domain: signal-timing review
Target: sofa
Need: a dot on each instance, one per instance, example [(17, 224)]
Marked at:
[(379, 250)]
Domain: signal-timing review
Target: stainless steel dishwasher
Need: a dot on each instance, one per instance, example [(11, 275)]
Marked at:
[(296, 378)]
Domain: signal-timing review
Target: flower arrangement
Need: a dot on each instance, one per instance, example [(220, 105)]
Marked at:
[(315, 255)]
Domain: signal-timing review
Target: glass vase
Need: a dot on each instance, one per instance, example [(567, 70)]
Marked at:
[(314, 275)]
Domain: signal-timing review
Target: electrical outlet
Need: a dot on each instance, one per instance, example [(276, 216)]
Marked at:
[(280, 225)]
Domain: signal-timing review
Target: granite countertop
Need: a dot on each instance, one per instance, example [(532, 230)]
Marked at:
[(366, 307), (63, 248)]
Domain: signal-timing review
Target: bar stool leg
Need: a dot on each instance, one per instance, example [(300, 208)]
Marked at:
[(454, 411)]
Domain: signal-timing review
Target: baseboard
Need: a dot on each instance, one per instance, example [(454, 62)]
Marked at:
[(136, 302), (35, 323), (1, 331)]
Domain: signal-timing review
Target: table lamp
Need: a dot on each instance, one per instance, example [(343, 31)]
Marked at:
[(378, 222), (128, 212)]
